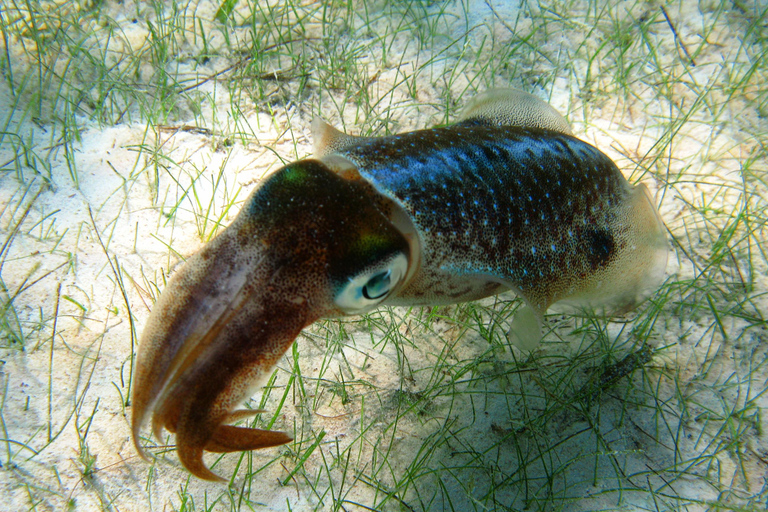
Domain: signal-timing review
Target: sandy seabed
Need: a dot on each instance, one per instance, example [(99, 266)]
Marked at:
[(104, 191)]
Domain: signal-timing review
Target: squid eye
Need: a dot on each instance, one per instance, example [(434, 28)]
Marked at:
[(367, 289), (378, 286)]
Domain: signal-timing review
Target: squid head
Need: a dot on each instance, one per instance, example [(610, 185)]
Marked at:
[(309, 243)]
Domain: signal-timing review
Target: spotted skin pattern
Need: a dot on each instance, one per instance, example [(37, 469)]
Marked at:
[(533, 208)]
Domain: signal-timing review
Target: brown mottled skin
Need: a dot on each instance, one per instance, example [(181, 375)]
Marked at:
[(234, 308)]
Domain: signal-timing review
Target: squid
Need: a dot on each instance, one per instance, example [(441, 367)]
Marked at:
[(505, 199)]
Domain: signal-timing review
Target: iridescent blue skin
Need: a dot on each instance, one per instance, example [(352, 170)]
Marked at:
[(430, 217), (525, 208)]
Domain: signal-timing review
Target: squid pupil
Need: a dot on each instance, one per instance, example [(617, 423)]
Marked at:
[(377, 286)]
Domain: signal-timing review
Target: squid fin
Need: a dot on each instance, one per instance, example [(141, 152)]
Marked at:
[(525, 330), (511, 107), (328, 139)]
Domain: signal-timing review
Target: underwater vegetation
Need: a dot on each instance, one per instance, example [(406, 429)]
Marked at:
[(135, 133)]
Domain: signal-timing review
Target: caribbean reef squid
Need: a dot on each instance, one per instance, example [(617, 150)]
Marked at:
[(504, 199)]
